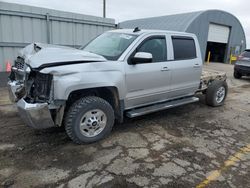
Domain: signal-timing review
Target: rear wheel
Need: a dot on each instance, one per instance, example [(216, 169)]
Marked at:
[(216, 93), (89, 119), (237, 75)]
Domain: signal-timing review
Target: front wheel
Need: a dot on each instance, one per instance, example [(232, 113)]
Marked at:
[(237, 75), (216, 93), (89, 119)]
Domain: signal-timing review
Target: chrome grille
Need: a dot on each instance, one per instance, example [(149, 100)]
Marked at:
[(19, 63), (18, 69)]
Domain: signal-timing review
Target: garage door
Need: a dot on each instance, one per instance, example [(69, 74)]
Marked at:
[(218, 33)]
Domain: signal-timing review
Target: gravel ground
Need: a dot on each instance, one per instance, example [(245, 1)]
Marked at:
[(192, 145)]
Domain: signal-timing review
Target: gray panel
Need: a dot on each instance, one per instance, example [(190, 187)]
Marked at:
[(55, 32), (26, 24), (79, 34), (7, 31), (27, 30), (39, 30), (17, 26)]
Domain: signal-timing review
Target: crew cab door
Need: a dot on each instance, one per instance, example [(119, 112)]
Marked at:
[(148, 82), (186, 66)]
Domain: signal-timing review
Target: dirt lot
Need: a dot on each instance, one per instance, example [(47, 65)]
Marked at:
[(193, 145)]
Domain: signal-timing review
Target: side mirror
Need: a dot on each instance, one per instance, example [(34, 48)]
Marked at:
[(142, 57)]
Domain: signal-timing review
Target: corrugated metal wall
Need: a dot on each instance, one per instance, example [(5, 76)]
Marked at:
[(21, 25)]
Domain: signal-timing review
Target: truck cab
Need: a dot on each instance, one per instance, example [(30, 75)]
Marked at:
[(161, 66)]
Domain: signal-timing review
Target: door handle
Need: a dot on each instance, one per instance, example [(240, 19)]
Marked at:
[(196, 66), (165, 69)]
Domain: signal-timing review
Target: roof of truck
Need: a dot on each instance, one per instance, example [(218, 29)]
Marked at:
[(145, 31)]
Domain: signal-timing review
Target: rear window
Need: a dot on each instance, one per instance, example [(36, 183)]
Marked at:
[(246, 54), (184, 48)]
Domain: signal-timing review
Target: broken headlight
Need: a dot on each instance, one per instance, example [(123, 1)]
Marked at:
[(40, 87)]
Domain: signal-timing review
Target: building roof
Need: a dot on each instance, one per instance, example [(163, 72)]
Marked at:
[(177, 22)]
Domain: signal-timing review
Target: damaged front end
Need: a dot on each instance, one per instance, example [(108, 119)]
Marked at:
[(16, 80), (32, 91)]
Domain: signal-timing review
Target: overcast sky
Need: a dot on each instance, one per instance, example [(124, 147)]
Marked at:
[(122, 10)]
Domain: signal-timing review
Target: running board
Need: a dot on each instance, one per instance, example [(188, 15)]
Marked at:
[(161, 106)]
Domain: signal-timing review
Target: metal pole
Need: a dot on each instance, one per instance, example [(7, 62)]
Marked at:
[(104, 8), (48, 28), (208, 57)]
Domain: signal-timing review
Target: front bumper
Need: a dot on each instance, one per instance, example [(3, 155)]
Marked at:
[(244, 70), (35, 115), (13, 87)]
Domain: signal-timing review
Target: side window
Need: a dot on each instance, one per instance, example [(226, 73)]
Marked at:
[(156, 46), (184, 48)]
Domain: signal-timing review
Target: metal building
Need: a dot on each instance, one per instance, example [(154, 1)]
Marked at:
[(22, 25), (218, 32)]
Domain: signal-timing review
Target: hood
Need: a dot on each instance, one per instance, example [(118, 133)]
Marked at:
[(243, 62), (39, 55)]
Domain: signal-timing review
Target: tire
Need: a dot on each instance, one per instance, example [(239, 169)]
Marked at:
[(216, 93), (237, 75), (86, 112)]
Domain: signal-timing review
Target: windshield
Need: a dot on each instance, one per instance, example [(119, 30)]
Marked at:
[(246, 54), (110, 45)]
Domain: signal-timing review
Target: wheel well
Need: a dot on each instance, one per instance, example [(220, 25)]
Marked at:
[(110, 94)]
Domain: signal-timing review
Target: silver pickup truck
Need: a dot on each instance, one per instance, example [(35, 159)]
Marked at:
[(120, 73)]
